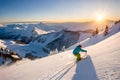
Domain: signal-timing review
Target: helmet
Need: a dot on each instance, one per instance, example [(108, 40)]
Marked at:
[(80, 45)]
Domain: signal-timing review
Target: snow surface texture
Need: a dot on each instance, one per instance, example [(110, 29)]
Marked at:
[(102, 63)]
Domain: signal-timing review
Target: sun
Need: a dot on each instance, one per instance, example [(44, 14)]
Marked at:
[(100, 17)]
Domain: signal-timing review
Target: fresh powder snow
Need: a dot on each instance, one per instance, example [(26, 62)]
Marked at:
[(102, 63)]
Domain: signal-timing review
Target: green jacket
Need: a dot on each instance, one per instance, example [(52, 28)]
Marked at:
[(78, 49)]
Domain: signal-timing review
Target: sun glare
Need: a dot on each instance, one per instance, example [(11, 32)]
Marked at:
[(100, 17)]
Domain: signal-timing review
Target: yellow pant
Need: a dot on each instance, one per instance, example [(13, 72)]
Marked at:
[(78, 56)]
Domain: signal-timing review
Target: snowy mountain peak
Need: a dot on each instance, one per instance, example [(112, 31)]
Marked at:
[(1, 25)]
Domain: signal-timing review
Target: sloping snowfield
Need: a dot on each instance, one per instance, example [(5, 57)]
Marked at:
[(102, 63)]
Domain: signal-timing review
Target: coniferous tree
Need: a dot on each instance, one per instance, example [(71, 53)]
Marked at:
[(106, 30), (97, 31), (63, 49)]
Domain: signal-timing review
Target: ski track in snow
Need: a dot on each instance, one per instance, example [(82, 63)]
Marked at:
[(62, 72)]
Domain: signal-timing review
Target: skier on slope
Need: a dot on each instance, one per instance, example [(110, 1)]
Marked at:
[(77, 50)]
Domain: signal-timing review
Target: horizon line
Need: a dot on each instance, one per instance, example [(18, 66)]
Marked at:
[(37, 21)]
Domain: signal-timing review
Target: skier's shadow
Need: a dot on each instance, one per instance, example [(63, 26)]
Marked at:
[(85, 70)]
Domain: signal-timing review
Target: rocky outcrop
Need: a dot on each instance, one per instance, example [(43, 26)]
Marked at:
[(8, 54)]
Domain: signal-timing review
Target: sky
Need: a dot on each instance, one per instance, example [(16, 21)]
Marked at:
[(57, 10)]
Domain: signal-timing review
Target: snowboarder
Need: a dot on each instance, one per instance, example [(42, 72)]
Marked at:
[(77, 50)]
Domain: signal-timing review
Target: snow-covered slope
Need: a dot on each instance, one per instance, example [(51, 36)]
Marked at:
[(24, 49), (102, 63), (1, 25), (97, 38), (10, 31), (41, 41), (105, 57), (90, 40), (13, 31), (41, 45), (30, 33)]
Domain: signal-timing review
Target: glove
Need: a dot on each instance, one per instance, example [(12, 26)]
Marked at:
[(86, 51)]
